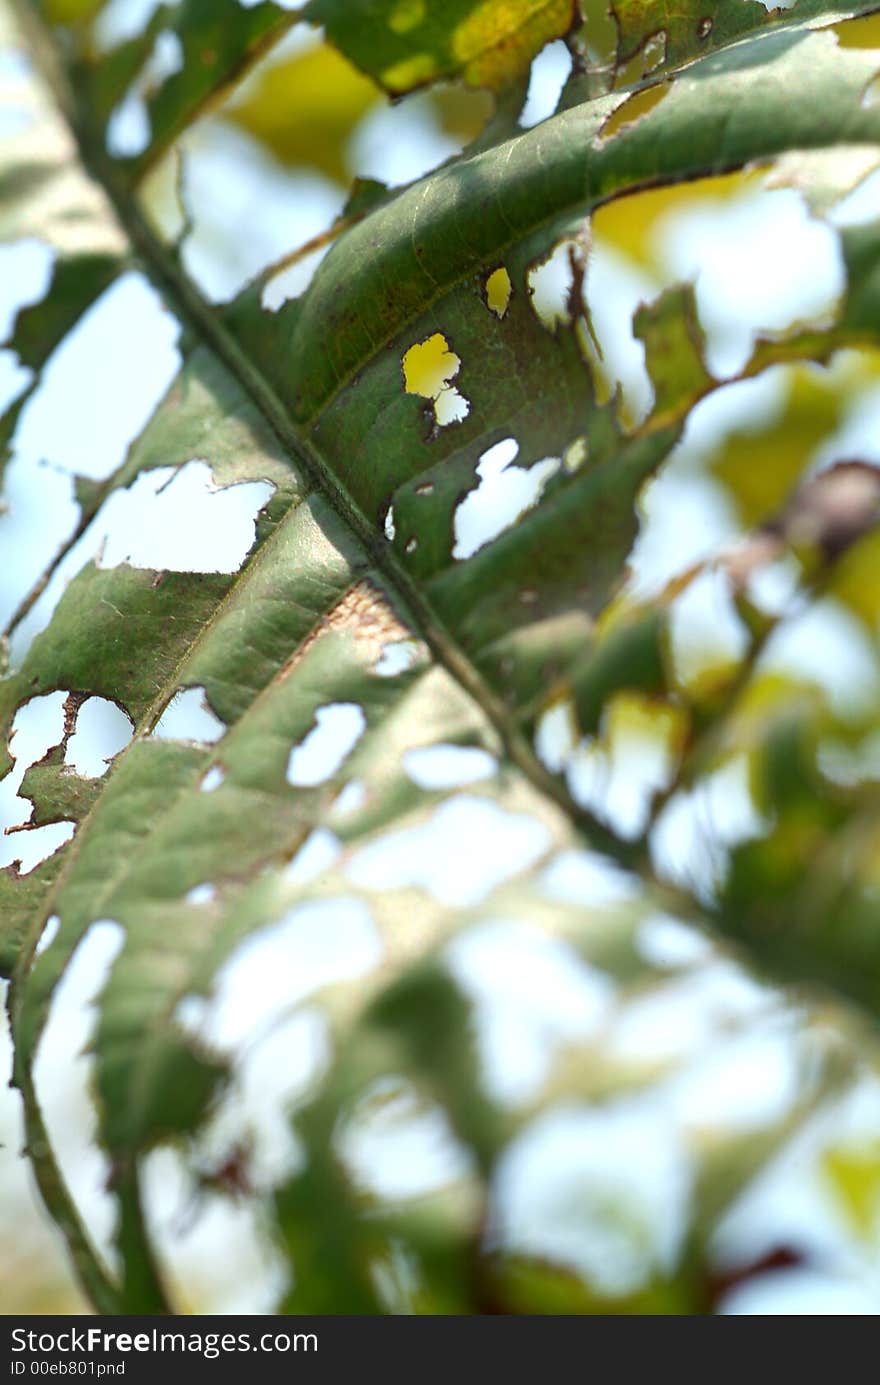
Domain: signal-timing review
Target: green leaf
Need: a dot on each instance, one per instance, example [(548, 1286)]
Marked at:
[(677, 33), (370, 411)]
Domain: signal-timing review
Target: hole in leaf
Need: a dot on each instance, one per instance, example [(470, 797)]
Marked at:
[(439, 855), (79, 422), (102, 730), (121, 20), (575, 454), (617, 774), (213, 779), (337, 730), (614, 290), (533, 995), (448, 766), (585, 878), (201, 894), (214, 1250), (428, 369), (551, 70), (556, 736), (291, 281), (397, 658), (14, 379), (860, 205), (25, 276), (128, 130), (670, 945), (48, 935), (228, 173), (178, 520), (450, 407), (64, 1070), (271, 1077), (251, 1127), (82, 419), (167, 519), (760, 263), (498, 291), (399, 143), (29, 847), (504, 493), (350, 800), (429, 366), (276, 968), (188, 717), (396, 1145), (550, 284), (654, 51), (38, 725), (871, 94), (318, 853), (603, 1192), (695, 830), (633, 109)]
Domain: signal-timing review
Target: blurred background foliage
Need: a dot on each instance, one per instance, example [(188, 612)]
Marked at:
[(810, 751)]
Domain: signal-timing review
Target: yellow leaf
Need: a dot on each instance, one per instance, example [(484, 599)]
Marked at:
[(305, 108), (70, 11)]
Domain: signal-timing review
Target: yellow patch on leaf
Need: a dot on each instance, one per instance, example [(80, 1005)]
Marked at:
[(498, 40), (406, 15), (429, 366), (412, 72), (305, 108)]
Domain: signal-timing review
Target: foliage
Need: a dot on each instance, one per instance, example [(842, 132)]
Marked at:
[(366, 408)]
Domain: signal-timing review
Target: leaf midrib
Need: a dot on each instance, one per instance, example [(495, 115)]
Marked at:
[(186, 301)]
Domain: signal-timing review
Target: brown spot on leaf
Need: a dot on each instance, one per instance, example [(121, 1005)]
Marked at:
[(364, 613)]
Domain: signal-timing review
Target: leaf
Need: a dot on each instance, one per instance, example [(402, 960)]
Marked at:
[(406, 43), (363, 419), (214, 43), (682, 32)]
